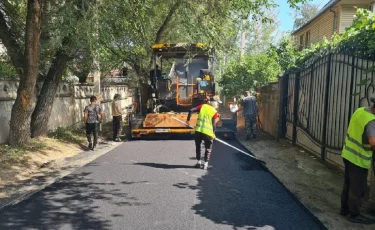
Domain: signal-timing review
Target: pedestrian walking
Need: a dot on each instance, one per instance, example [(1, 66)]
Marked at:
[(357, 154), (204, 130), (117, 113), (249, 111), (93, 115)]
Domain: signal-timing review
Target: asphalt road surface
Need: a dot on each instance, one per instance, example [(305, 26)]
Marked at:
[(153, 185)]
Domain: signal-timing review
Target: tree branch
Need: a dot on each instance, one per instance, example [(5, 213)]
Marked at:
[(162, 28), (13, 49)]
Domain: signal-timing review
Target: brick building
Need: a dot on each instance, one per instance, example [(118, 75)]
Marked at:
[(334, 17)]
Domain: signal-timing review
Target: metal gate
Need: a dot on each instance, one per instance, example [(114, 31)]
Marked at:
[(318, 99)]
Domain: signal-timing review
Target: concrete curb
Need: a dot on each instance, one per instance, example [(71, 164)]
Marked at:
[(294, 197), (74, 163)]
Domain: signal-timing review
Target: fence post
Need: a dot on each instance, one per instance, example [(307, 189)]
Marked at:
[(351, 88), (283, 83), (295, 106), (325, 114)]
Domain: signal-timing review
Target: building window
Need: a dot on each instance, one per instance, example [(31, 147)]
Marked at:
[(301, 40), (307, 39), (371, 7)]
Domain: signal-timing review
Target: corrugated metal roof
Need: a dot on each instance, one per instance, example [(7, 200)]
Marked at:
[(320, 12)]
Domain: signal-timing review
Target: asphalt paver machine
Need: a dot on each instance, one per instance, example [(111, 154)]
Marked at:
[(182, 77)]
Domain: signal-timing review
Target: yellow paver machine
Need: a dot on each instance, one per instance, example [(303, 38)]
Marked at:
[(182, 77)]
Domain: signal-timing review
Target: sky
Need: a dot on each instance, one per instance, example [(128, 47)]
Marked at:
[(286, 14)]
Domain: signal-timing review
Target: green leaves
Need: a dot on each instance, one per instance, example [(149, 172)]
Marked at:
[(252, 72)]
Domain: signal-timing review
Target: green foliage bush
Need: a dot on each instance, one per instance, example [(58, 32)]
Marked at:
[(7, 70), (251, 72), (67, 134)]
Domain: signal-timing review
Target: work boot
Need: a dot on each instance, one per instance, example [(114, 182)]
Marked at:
[(93, 147), (90, 146), (344, 212), (360, 219), (205, 166)]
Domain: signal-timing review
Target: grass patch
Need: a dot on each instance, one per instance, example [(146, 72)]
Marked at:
[(16, 155), (76, 136)]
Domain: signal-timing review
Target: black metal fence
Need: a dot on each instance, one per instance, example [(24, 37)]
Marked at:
[(320, 97)]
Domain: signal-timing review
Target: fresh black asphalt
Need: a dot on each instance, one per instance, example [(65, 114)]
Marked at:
[(153, 185)]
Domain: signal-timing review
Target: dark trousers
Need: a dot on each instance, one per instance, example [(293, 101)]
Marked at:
[(250, 120), (116, 122), (92, 128), (355, 187), (208, 141)]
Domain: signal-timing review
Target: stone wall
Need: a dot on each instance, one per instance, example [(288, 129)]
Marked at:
[(70, 101)]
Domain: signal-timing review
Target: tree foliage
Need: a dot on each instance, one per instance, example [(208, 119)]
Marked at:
[(304, 14), (214, 22), (252, 72), (116, 32)]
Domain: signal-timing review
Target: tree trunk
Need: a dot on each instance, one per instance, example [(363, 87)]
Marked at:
[(23, 106), (43, 109)]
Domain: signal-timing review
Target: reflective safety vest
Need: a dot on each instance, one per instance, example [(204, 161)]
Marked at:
[(354, 149), (204, 122)]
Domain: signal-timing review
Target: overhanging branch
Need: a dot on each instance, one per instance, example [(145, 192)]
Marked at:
[(13, 49), (162, 28)]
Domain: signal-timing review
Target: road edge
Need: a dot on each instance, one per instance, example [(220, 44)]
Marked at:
[(294, 197), (75, 163)]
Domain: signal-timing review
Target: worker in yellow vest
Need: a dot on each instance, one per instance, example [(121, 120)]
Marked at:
[(204, 130), (357, 154)]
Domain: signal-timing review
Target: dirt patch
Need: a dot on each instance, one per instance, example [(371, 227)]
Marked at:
[(22, 164)]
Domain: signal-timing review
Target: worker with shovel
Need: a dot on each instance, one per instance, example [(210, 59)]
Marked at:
[(204, 129)]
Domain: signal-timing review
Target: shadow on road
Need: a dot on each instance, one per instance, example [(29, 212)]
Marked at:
[(165, 166), (71, 203), (237, 191)]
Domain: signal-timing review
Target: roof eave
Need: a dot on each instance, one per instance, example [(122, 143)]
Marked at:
[(325, 9)]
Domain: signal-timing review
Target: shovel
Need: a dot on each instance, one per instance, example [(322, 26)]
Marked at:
[(225, 143)]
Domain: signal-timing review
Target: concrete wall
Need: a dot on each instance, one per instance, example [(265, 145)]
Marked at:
[(69, 104)]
